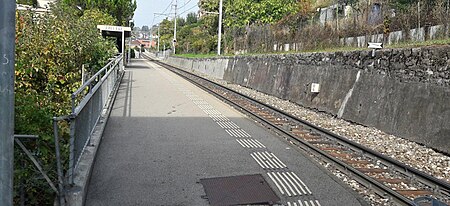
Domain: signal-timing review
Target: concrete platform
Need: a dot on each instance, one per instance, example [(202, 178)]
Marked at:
[(164, 135)]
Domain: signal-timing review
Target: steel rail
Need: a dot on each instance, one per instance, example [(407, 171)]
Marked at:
[(365, 179)]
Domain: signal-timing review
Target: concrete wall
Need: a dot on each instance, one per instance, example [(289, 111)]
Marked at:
[(403, 91), (414, 35)]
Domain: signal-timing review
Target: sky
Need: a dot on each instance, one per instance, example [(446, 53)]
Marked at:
[(144, 14)]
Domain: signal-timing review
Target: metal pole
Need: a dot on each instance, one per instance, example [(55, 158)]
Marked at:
[(129, 50), (447, 21), (7, 55), (175, 28), (418, 16), (83, 78), (129, 42), (123, 45), (337, 16), (59, 169), (158, 39), (219, 40)]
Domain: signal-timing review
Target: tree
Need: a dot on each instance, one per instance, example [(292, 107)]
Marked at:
[(121, 10), (28, 2), (145, 29), (49, 55), (240, 13), (191, 18)]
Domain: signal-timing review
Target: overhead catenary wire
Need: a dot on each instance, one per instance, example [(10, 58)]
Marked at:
[(185, 4), (187, 10), (168, 6)]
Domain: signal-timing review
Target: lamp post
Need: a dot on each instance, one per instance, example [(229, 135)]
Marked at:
[(7, 55)]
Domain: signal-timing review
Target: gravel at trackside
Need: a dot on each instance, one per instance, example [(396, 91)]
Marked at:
[(411, 153)]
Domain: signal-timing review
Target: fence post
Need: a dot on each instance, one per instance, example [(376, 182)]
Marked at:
[(59, 168), (7, 55)]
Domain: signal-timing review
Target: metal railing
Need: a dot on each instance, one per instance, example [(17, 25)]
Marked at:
[(18, 140), (88, 104)]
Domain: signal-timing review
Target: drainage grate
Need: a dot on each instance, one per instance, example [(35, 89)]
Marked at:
[(239, 190)]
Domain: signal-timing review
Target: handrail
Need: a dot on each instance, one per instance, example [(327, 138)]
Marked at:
[(90, 80), (86, 111)]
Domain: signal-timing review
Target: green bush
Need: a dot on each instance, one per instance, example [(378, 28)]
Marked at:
[(50, 50)]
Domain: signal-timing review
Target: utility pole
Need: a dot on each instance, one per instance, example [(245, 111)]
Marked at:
[(158, 38), (175, 28), (219, 41), (447, 22), (337, 15), (129, 41), (418, 15), (7, 55)]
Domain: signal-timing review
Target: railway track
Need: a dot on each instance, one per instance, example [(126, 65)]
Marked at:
[(386, 176)]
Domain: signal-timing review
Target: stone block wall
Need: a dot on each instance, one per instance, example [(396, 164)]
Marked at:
[(405, 92)]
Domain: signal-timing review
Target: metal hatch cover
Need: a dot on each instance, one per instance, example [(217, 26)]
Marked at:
[(239, 190)]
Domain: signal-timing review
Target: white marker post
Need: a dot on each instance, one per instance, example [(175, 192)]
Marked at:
[(374, 47)]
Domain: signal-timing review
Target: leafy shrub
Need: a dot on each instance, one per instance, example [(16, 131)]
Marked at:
[(50, 50)]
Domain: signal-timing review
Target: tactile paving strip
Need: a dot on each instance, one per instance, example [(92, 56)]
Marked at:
[(287, 182)]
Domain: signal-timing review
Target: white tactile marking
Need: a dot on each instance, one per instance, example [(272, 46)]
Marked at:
[(268, 159), (290, 182), (271, 159), (276, 183), (239, 133), (282, 185), (205, 106), (242, 144), (287, 183), (259, 161), (243, 133), (296, 183), (219, 118), (277, 159), (200, 102), (228, 125), (230, 132), (264, 161), (251, 143), (306, 187), (259, 143)]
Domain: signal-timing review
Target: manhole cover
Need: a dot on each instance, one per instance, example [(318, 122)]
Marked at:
[(239, 190)]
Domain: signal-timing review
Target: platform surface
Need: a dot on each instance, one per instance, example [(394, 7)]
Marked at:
[(165, 134)]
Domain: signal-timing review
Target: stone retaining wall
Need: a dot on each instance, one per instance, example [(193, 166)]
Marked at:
[(405, 92)]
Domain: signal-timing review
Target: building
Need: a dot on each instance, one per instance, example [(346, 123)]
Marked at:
[(146, 43), (44, 3), (43, 6)]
